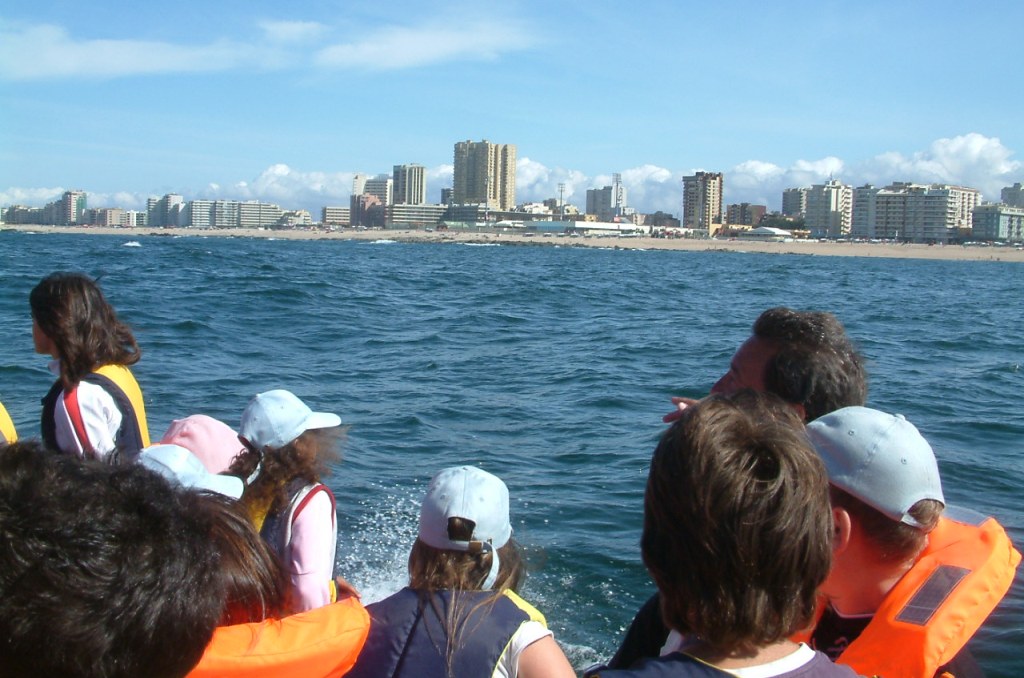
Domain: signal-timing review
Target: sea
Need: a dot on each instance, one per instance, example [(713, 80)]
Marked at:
[(549, 366)]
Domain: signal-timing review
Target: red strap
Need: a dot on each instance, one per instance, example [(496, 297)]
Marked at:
[(75, 413), (305, 500)]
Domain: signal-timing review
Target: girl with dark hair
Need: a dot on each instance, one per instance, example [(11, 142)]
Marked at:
[(460, 615), (95, 407), (288, 448)]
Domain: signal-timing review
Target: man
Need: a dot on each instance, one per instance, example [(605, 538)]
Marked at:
[(805, 358), (909, 586), (104, 570)]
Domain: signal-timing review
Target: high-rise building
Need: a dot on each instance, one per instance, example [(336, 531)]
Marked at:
[(164, 211), (829, 209), (382, 187), (1013, 195), (934, 213), (702, 201), (72, 207), (745, 214), (998, 222), (862, 221), (794, 202), (485, 174), (410, 184), (609, 202)]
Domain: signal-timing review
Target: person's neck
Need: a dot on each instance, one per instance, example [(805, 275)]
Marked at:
[(864, 591), (739, 660)]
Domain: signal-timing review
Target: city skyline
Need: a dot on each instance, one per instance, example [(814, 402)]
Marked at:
[(287, 105)]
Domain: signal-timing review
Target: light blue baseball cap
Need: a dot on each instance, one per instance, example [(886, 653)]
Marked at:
[(880, 459)]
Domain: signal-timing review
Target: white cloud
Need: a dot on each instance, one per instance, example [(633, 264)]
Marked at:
[(48, 51), (397, 47), (292, 31), (32, 197)]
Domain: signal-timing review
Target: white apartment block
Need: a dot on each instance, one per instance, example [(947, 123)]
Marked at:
[(935, 213), (410, 184), (863, 220), (382, 187), (829, 209), (998, 222)]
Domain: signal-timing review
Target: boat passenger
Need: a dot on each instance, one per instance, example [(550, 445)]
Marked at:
[(460, 616), (214, 442), (7, 432), (737, 536), (805, 358), (106, 571), (287, 451), (95, 407), (910, 582)]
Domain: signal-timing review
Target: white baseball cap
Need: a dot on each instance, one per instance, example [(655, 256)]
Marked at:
[(182, 467), (276, 418), (472, 494), (880, 459)]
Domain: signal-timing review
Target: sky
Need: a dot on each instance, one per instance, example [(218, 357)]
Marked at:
[(285, 102)]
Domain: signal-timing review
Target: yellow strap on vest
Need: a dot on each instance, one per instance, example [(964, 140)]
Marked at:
[(535, 614), (7, 426), (122, 376)]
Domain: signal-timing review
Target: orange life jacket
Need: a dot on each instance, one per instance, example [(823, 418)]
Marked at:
[(935, 608), (314, 644)]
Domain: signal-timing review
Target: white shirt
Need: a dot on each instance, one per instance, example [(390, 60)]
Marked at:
[(100, 416)]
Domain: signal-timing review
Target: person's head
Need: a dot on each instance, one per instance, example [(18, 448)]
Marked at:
[(255, 584), (105, 571), (884, 479), (465, 535), (737, 529), (284, 440), (72, 320), (214, 442), (804, 357)]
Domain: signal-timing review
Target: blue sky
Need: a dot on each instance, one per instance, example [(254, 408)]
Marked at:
[(284, 102)]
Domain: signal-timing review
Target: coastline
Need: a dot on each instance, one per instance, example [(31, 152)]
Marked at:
[(805, 247)]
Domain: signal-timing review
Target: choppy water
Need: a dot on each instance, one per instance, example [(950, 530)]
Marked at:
[(548, 366)]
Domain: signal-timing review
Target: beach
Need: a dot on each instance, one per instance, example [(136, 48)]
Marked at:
[(805, 247)]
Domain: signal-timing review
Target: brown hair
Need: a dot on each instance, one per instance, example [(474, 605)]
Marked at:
[(816, 365), (432, 569), (894, 541), (737, 526), (308, 457), (254, 581), (71, 310)]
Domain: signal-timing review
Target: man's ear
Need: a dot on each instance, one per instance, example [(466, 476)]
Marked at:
[(800, 411), (842, 530)]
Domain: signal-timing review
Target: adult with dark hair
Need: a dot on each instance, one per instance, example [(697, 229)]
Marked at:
[(737, 536), (460, 616), (288, 449), (95, 407), (805, 358), (910, 583), (105, 571)]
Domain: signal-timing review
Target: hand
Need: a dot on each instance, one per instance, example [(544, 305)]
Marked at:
[(681, 404), (345, 590)]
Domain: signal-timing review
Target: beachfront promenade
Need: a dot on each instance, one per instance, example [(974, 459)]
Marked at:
[(806, 247)]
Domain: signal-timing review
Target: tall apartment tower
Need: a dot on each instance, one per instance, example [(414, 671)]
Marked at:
[(72, 207), (829, 209), (702, 201), (382, 187), (485, 174), (1013, 195), (608, 202), (410, 184), (794, 202)]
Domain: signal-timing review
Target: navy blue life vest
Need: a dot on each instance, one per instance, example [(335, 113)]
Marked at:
[(130, 438), (409, 636)]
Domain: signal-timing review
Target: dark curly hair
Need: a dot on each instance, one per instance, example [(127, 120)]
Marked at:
[(105, 571)]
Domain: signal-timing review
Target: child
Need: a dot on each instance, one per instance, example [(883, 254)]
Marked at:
[(95, 407), (737, 536), (288, 449), (460, 615)]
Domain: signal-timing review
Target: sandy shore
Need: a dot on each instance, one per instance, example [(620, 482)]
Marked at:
[(811, 247)]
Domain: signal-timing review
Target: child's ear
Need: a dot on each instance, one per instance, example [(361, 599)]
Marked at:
[(841, 530)]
